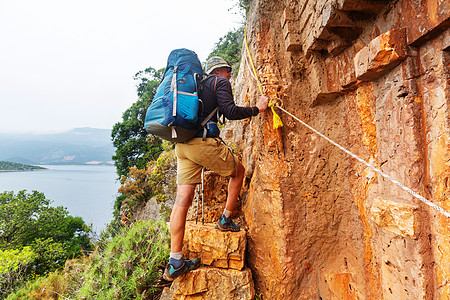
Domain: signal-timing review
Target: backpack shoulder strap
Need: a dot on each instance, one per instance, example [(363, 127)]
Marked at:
[(215, 84), (202, 82), (200, 87)]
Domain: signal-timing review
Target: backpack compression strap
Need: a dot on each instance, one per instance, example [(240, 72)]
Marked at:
[(205, 124), (174, 88)]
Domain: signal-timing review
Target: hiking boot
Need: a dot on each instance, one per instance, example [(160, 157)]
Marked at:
[(227, 224), (170, 273)]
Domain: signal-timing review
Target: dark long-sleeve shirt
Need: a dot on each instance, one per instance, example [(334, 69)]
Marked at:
[(223, 98)]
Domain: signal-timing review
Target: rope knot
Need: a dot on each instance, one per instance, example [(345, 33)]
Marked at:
[(277, 123)]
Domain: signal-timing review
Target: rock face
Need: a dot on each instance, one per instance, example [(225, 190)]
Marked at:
[(374, 77), (214, 199)]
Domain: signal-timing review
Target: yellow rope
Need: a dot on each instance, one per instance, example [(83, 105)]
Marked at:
[(251, 61), (277, 123)]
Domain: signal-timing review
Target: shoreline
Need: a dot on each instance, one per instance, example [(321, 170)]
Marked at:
[(26, 170)]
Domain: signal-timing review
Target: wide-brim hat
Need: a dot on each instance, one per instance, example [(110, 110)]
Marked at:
[(214, 63)]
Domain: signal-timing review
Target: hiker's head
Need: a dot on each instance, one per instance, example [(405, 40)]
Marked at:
[(217, 65), (223, 71)]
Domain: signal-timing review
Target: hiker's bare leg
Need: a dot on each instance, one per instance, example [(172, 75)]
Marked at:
[(185, 194), (234, 186)]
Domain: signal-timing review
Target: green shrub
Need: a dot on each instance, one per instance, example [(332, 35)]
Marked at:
[(128, 267), (156, 181), (60, 284), (50, 256), (51, 286), (14, 265)]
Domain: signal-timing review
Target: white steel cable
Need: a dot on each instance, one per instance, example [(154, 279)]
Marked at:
[(372, 167)]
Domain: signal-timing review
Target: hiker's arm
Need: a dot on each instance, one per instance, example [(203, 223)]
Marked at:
[(227, 106)]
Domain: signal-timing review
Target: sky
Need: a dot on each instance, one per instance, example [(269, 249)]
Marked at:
[(69, 64)]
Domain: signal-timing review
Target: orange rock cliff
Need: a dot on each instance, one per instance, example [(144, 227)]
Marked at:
[(374, 77)]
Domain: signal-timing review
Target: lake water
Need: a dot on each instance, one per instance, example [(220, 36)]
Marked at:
[(86, 191)]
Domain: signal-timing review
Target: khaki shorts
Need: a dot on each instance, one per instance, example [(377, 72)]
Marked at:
[(195, 154)]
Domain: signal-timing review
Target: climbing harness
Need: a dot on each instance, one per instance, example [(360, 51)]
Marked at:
[(369, 165)]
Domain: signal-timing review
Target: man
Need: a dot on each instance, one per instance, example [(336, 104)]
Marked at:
[(211, 153)]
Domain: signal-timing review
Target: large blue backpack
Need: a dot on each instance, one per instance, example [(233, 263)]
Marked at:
[(173, 113)]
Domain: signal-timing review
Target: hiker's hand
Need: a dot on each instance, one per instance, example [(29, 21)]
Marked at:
[(262, 103)]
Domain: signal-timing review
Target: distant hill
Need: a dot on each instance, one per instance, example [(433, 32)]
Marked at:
[(77, 146), (12, 166)]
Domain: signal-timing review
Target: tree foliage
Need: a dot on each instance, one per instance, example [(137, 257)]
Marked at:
[(27, 219), (129, 136), (244, 5), (229, 47), (13, 166)]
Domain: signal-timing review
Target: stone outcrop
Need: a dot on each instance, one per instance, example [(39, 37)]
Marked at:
[(223, 274), (374, 77), (399, 218), (212, 283), (382, 54), (215, 248)]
